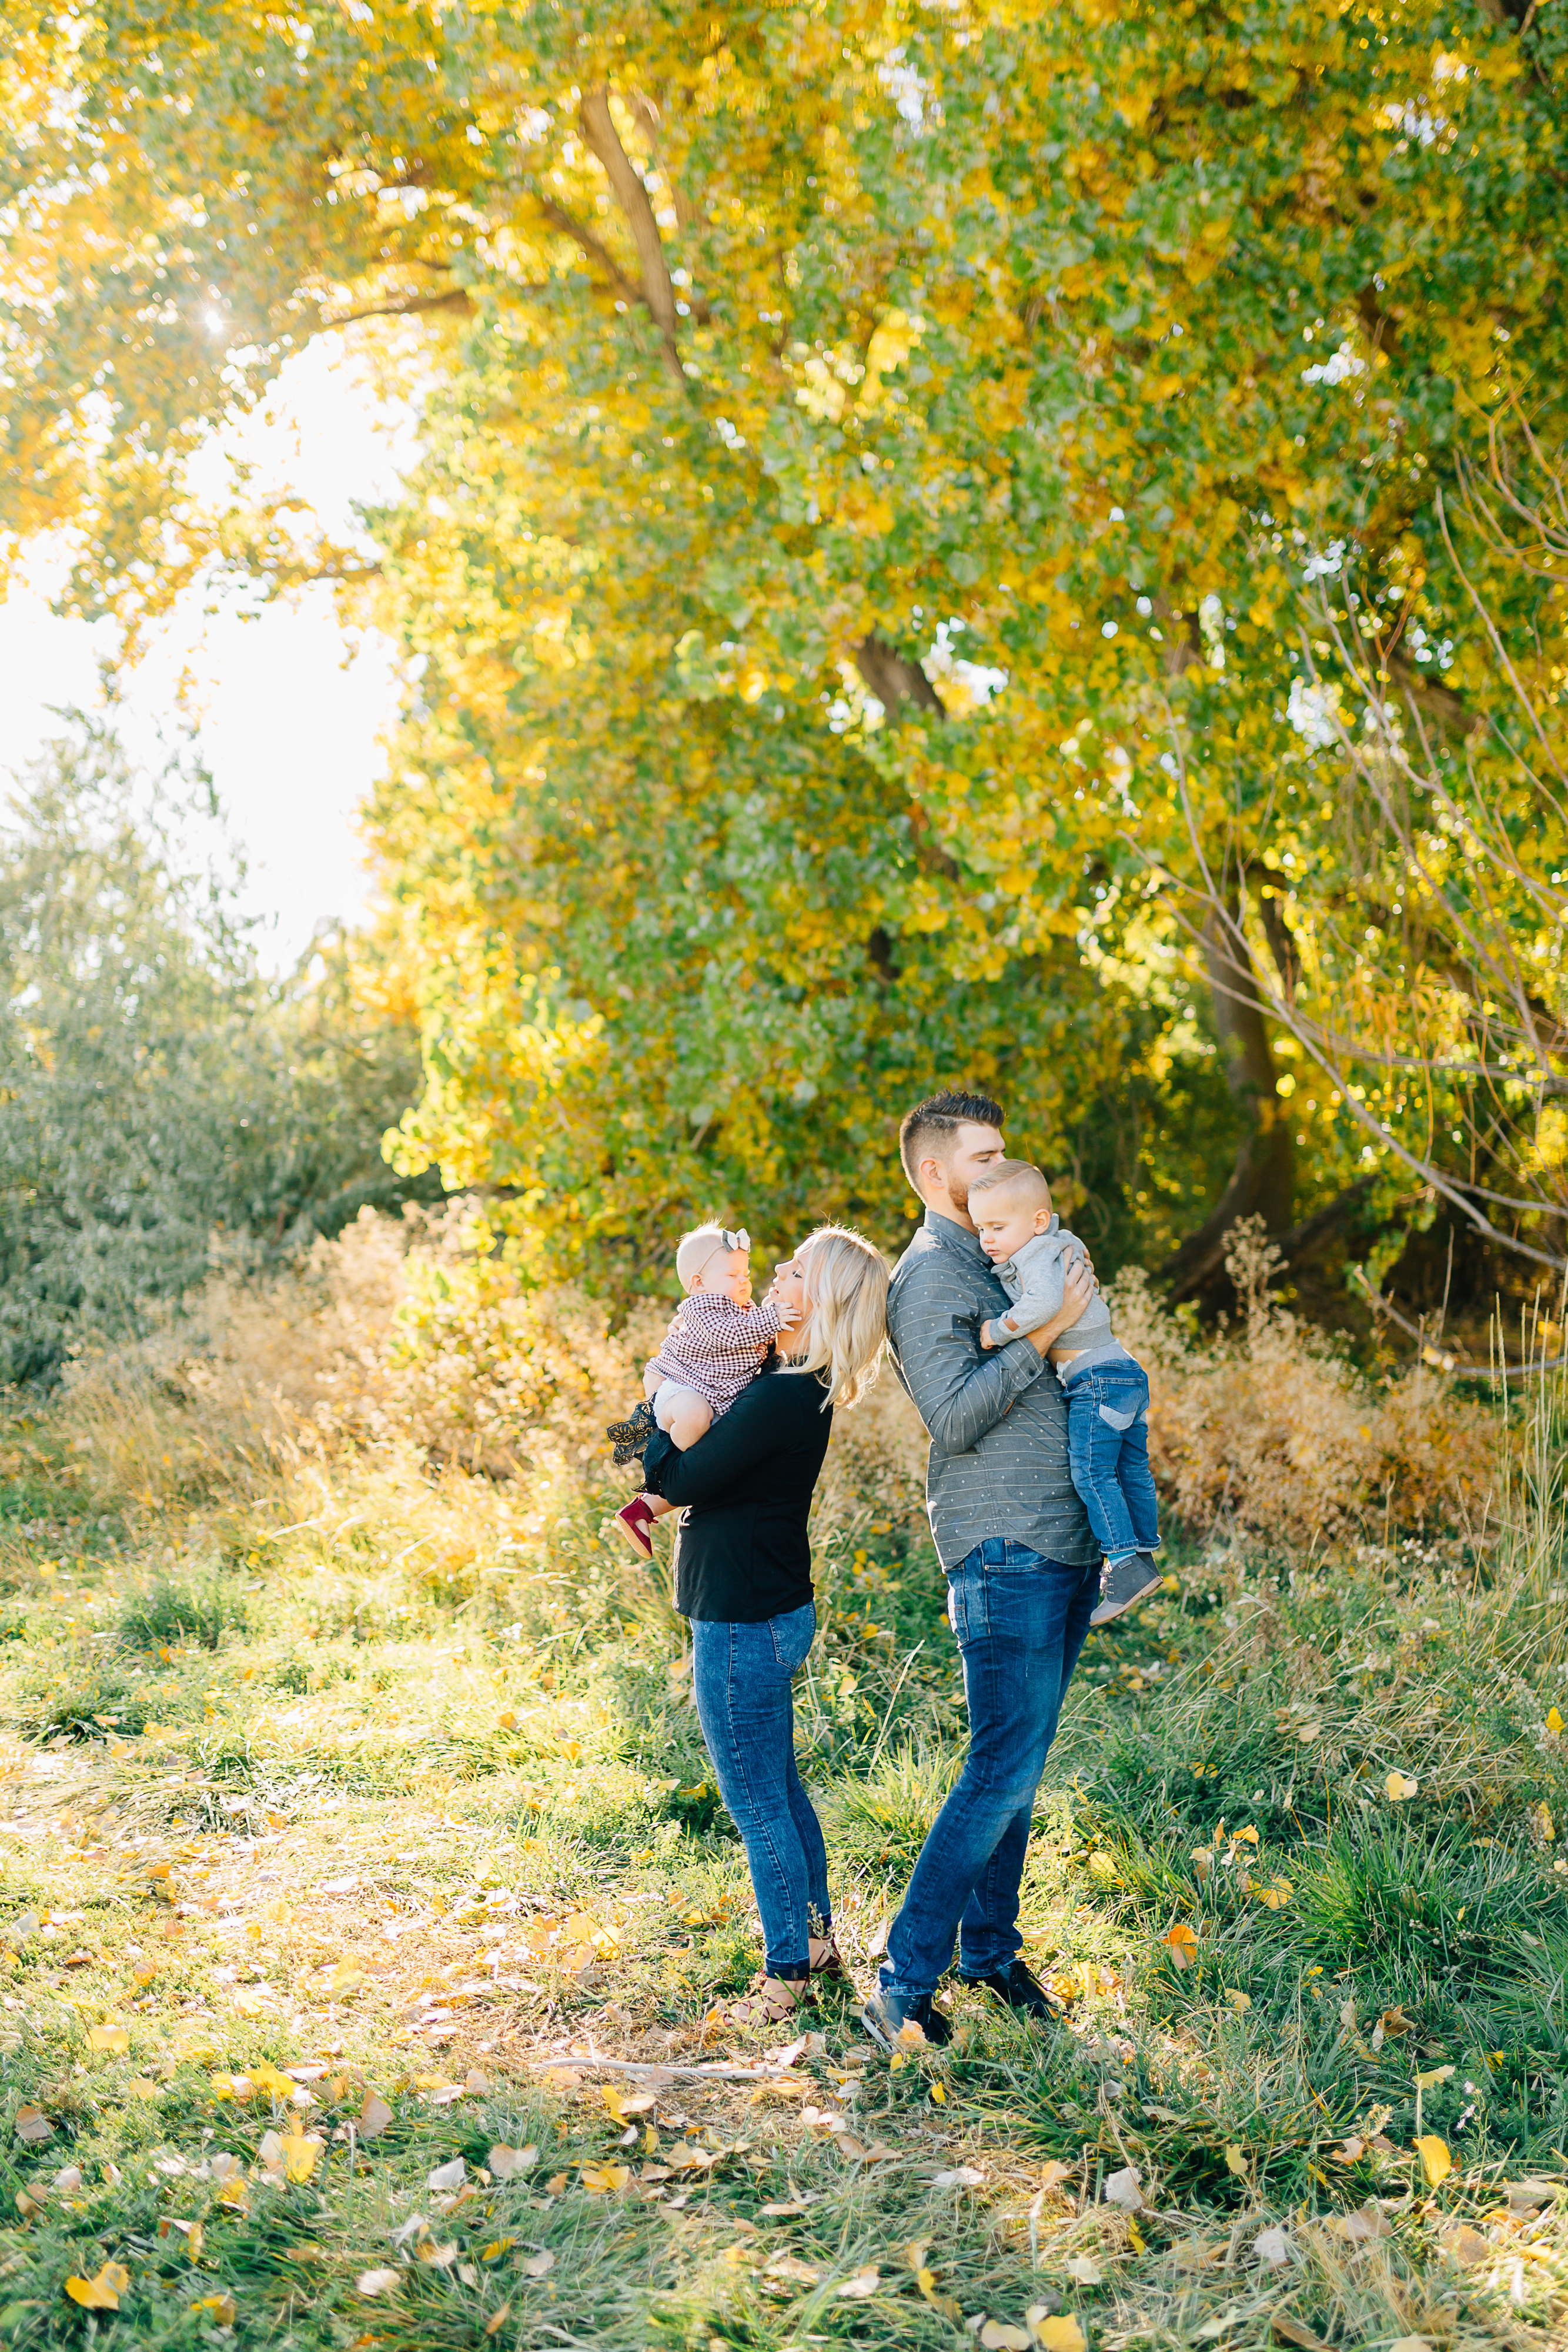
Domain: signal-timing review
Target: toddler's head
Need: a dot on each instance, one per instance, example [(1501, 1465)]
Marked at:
[(712, 1257), (1009, 1204)]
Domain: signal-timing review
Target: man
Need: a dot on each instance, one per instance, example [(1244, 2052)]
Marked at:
[(1023, 1571)]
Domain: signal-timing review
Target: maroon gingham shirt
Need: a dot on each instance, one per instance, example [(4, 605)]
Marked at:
[(716, 1347)]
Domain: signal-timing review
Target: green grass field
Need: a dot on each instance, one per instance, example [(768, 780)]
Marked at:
[(354, 1815)]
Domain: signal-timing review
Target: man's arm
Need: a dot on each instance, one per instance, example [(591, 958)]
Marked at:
[(959, 1394)]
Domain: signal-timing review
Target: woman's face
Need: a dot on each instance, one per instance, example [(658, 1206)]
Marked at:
[(789, 1287)]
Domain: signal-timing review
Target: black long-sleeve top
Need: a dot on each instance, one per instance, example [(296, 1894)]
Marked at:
[(741, 1551)]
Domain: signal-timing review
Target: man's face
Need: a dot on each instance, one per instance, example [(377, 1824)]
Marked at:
[(974, 1149)]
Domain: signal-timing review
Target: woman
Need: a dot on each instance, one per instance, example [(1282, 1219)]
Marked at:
[(743, 1576)]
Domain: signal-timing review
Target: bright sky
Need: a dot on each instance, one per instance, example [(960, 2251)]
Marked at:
[(288, 711)]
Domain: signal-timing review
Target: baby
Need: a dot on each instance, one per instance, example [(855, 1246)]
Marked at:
[(1107, 1391), (714, 1347)]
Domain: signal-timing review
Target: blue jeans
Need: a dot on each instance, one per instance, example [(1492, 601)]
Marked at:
[(1020, 1622), (741, 1674), (1108, 1454)]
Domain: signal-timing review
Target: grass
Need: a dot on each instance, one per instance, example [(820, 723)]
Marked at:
[(352, 1805)]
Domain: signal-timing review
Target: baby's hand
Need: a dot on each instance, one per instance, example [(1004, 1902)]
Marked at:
[(986, 1338), (788, 1315)]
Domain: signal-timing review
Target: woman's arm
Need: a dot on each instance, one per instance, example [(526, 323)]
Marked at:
[(765, 1419)]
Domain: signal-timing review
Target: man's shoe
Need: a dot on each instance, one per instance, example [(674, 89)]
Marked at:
[(889, 2018), (1131, 1580), (1018, 1989)]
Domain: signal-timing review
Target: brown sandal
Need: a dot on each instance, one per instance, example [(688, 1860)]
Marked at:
[(769, 2002), (825, 1959)]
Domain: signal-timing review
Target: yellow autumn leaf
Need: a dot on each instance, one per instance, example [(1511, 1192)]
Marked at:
[(299, 2155), (1399, 1787), (940, 2093), (1060, 2334), (345, 1979), (109, 2037), (1435, 2161), (497, 2320), (1273, 1893), (1554, 1719), (1182, 1944), (600, 2179), (101, 2293), (1542, 1826), (224, 2309), (625, 2106)]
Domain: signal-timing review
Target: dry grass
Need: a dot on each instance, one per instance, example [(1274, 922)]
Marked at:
[(342, 1740)]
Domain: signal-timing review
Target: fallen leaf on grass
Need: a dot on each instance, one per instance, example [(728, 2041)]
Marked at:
[(1554, 1719), (1290, 2330), (686, 2157), (497, 2320), (32, 2125), (448, 2176), (864, 2284), (103, 2291), (788, 2270), (505, 2163), (1062, 2334), (1125, 2189), (539, 2266), (345, 1979), (1410, 2344), (28, 2206), (624, 2106), (1272, 2246), (378, 2282), (1464, 2246), (1239, 2001), (998, 2337), (601, 2180), (374, 2116), (1085, 2270), (224, 2309), (1357, 2228), (1399, 1787), (962, 2176), (1435, 2161), (298, 2154), (1182, 1945), (112, 2038), (1236, 2160), (1272, 1893), (1435, 2074)]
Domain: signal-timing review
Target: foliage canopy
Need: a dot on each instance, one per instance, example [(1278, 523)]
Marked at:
[(939, 534)]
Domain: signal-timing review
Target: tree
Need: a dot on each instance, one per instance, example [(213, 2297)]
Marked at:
[(804, 351), (153, 1088)]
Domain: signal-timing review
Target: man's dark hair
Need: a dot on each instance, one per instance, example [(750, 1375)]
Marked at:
[(936, 1121)]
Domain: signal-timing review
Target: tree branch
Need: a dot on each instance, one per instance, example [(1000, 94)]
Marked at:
[(626, 183), (411, 306), (570, 225)]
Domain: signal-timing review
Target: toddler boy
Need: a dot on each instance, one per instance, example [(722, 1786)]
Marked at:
[(1106, 1390)]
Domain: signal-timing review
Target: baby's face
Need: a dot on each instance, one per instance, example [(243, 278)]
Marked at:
[(1004, 1227), (729, 1272)]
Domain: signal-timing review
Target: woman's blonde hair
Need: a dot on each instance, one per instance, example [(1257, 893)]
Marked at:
[(846, 1292)]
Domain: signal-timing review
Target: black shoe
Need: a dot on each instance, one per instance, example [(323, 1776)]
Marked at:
[(886, 2015), (1018, 1989), (1130, 1580), (632, 1435)]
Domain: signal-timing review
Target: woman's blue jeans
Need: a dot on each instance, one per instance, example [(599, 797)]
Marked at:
[(1020, 1622), (742, 1675)]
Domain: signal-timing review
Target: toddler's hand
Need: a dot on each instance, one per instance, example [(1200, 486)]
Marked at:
[(986, 1338), (788, 1315)]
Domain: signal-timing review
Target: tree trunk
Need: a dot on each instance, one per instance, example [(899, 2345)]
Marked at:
[(898, 685), (1263, 1180)]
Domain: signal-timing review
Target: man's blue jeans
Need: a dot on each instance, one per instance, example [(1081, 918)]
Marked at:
[(741, 1674), (1020, 1622), (1108, 1454)]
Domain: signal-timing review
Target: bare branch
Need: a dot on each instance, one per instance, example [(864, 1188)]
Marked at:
[(626, 181), (408, 306)]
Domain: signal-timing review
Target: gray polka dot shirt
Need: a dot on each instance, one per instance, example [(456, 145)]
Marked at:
[(996, 1418)]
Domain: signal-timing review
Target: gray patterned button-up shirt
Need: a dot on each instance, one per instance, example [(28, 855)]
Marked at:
[(996, 1418)]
